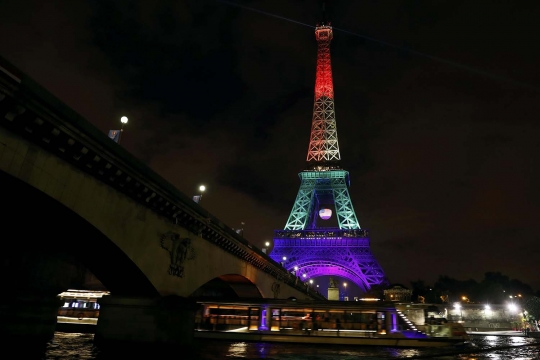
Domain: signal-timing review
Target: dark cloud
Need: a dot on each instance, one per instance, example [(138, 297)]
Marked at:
[(437, 106)]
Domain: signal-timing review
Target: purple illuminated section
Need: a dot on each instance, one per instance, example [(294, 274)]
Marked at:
[(413, 334), (329, 252), (263, 320)]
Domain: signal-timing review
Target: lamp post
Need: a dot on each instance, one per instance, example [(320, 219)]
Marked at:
[(202, 188), (266, 247), (124, 121), (345, 291)]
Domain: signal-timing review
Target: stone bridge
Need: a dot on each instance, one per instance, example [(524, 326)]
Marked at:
[(73, 199)]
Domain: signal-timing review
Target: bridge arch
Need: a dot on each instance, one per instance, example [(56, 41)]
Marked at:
[(228, 286), (50, 242)]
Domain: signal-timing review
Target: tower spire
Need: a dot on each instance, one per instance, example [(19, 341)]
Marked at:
[(323, 150)]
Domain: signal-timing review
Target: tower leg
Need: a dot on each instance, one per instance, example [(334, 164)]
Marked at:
[(302, 206)]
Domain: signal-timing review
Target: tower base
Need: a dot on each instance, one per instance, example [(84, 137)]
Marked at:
[(329, 252)]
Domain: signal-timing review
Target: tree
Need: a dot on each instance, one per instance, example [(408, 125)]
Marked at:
[(531, 310)]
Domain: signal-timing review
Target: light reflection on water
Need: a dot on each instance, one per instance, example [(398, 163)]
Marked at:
[(81, 346)]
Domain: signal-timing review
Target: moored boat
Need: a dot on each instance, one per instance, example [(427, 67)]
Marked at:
[(321, 322)]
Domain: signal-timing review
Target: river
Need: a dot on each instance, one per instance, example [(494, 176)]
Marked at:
[(81, 346)]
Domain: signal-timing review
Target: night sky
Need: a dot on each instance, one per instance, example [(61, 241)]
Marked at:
[(439, 130)]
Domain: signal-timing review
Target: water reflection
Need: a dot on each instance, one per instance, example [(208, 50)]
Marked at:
[(81, 346), (238, 349)]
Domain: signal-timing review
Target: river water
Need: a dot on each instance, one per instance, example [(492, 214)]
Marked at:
[(81, 346)]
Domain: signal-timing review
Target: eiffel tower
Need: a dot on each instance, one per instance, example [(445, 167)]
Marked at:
[(304, 246)]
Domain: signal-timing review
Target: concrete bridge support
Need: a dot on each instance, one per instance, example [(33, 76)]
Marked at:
[(32, 318)]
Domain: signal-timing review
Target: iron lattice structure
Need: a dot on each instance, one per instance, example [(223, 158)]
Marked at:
[(323, 143), (311, 250)]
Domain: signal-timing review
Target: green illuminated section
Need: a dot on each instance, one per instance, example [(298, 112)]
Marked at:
[(319, 182)]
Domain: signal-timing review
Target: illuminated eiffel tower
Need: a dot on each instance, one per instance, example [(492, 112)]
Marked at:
[(304, 247)]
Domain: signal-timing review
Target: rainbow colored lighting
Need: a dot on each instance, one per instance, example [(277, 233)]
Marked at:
[(313, 248), (323, 144)]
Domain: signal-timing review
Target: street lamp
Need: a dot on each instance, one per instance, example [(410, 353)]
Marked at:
[(267, 245), (202, 188), (124, 121)]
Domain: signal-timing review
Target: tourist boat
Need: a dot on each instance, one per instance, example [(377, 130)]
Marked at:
[(321, 322), (79, 311)]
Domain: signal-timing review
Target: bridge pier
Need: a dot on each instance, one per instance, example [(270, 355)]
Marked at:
[(167, 320), (31, 317)]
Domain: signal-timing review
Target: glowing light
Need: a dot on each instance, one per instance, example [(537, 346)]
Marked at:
[(311, 281), (296, 268), (124, 120), (457, 306), (325, 214), (487, 307), (284, 258), (512, 307), (304, 275), (202, 188), (267, 244)]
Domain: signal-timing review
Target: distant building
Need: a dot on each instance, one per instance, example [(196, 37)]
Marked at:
[(397, 293)]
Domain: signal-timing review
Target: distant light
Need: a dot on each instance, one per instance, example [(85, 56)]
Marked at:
[(284, 258), (345, 284), (267, 243), (296, 268), (487, 307), (202, 188), (124, 120), (457, 306), (512, 307), (304, 275), (317, 285), (311, 281)]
